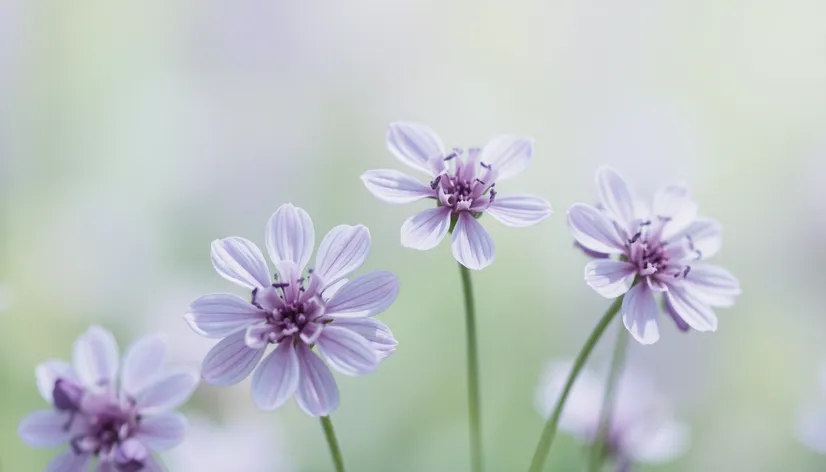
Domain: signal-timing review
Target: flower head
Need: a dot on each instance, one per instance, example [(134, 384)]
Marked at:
[(118, 420), (462, 187), (640, 428), (295, 312), (658, 251)]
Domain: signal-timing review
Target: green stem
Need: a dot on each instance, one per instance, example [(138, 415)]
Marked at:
[(332, 441), (598, 452), (472, 373), (548, 433)]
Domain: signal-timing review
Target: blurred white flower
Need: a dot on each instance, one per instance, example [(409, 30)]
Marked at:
[(811, 421), (236, 445), (641, 427)]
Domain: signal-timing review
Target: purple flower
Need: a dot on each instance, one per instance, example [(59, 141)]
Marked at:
[(295, 313), (641, 426), (118, 422), (811, 421), (657, 252), (463, 188)]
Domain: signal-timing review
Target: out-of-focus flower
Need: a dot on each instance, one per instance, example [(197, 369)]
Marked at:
[(641, 426), (295, 313), (657, 251), (120, 420), (463, 188), (811, 422), (236, 445)]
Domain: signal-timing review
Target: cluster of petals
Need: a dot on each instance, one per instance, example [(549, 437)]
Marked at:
[(118, 420), (297, 312), (641, 427), (463, 188), (640, 252)]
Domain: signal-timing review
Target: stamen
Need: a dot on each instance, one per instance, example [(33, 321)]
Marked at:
[(686, 271), (645, 223), (435, 182), (492, 195), (699, 254), (635, 238), (486, 166), (451, 156), (281, 285), (480, 181)]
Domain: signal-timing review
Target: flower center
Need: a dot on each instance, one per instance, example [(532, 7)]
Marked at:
[(292, 310), (469, 187), (653, 255), (105, 425)]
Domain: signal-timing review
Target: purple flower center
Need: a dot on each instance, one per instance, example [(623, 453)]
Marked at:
[(292, 310), (469, 187), (654, 256)]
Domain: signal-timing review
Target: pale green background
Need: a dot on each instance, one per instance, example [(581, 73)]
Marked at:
[(134, 133)]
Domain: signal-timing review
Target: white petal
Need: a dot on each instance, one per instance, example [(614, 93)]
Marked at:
[(374, 331), (609, 277), (44, 428), (674, 202), (333, 289), (593, 230), (276, 379), (694, 312), (396, 187), (230, 361), (639, 314), (220, 314), (290, 235), (142, 363), (712, 285), (579, 415), (656, 440), (414, 144), (811, 427), (95, 357), (705, 236), (347, 351), (161, 432), (239, 260), (343, 250), (366, 295), (426, 229), (69, 462), (508, 155), (317, 393), (167, 392), (615, 195), (47, 374), (472, 245), (519, 210)]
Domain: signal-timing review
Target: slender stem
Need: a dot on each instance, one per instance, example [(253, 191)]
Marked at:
[(548, 433), (598, 452), (332, 441), (472, 373)]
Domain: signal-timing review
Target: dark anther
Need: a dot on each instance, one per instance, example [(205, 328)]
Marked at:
[(435, 182), (300, 280), (664, 218), (635, 238), (690, 241), (699, 253), (281, 285), (492, 195), (645, 223), (451, 156), (310, 270), (254, 294), (686, 271), (486, 166), (480, 181)]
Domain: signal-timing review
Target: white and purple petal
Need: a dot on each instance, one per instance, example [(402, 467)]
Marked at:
[(712, 285), (220, 314), (415, 145), (167, 392), (639, 314), (693, 311), (317, 392), (426, 229), (508, 155), (365, 295), (95, 358), (593, 230), (347, 351), (142, 363), (374, 331), (616, 196), (396, 187), (161, 432), (674, 203), (519, 211), (276, 378), (44, 428), (69, 462), (609, 277), (343, 250), (240, 261), (290, 235), (48, 373), (472, 246), (230, 361)]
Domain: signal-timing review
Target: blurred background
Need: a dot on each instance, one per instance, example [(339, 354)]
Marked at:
[(134, 133)]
